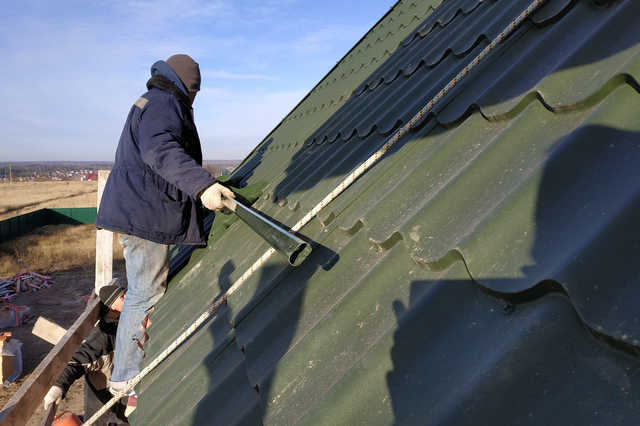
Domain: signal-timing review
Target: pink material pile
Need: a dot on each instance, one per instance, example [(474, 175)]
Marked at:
[(23, 282)]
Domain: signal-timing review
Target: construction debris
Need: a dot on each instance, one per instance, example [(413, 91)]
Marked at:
[(12, 315), (23, 282)]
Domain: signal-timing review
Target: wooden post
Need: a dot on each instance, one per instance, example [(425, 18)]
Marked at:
[(31, 394), (104, 243), (104, 266)]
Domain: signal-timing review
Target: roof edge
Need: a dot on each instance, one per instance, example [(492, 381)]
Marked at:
[(266, 138)]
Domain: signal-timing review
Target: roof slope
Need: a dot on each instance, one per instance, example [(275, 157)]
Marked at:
[(482, 272)]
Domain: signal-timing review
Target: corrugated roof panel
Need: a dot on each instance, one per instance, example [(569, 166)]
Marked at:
[(346, 333), (576, 64), (490, 253), (535, 364), (442, 16), (213, 376), (312, 294)]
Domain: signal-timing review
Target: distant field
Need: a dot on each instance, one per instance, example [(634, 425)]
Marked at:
[(24, 197), (50, 248)]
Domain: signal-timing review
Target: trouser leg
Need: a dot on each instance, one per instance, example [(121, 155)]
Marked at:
[(147, 266)]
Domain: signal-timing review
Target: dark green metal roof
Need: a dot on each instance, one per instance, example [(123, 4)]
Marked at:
[(482, 273)]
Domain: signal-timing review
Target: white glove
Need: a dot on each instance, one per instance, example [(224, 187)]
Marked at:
[(212, 196), (54, 396)]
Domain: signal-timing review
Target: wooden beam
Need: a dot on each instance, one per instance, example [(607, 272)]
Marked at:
[(23, 403), (104, 243), (49, 415)]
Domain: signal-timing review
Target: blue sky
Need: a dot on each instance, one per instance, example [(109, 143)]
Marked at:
[(71, 69)]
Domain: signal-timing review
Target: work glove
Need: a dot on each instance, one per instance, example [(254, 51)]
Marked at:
[(54, 396), (212, 196)]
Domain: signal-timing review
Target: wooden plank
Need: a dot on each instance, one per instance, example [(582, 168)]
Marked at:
[(48, 331), (48, 417), (103, 175), (104, 243), (23, 404)]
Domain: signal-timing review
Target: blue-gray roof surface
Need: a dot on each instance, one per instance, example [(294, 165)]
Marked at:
[(482, 273)]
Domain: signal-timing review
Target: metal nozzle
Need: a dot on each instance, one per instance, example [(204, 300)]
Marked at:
[(279, 238)]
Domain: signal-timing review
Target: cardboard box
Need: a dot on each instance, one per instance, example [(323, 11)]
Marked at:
[(6, 367), (10, 358)]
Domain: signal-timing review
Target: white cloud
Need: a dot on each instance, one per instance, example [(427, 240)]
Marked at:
[(325, 39), (226, 75), (160, 12)]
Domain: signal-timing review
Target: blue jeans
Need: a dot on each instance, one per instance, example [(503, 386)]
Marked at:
[(147, 266)]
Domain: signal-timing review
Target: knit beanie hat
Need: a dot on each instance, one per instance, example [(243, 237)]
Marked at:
[(187, 69), (109, 294)]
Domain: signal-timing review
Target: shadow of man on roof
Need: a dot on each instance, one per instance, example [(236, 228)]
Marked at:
[(261, 339), (494, 350)]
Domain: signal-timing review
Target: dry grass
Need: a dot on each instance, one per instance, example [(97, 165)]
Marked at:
[(24, 197), (51, 248)]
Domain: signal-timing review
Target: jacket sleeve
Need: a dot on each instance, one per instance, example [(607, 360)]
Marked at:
[(160, 129), (98, 343)]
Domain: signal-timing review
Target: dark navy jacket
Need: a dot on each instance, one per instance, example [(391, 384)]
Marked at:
[(154, 187)]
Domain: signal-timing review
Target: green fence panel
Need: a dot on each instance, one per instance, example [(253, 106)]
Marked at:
[(85, 215), (23, 224)]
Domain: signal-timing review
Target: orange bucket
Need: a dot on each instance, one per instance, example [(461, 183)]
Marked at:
[(66, 418)]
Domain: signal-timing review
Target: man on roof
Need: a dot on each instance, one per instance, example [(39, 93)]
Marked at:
[(154, 197)]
